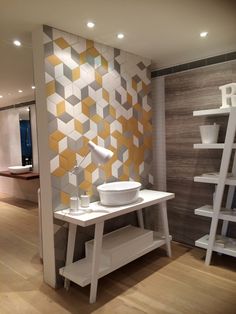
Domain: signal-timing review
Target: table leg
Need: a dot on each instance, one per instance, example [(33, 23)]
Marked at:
[(96, 260), (140, 218), (70, 250), (164, 219)]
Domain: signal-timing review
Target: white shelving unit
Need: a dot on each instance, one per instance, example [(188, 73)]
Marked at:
[(212, 146), (205, 178), (228, 249), (213, 242), (225, 214)]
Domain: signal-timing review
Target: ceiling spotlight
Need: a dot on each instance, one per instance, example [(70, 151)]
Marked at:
[(17, 43), (20, 91), (1, 96), (90, 24), (33, 87), (203, 34), (120, 35)]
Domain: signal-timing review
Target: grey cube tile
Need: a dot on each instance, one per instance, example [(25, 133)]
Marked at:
[(73, 100)]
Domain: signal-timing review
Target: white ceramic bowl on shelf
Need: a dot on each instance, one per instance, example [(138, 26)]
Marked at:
[(119, 192), (19, 169)]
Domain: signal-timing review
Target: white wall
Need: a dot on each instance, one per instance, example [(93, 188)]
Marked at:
[(34, 138), (10, 154), (10, 148)]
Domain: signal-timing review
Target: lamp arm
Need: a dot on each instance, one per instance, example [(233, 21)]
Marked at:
[(76, 172), (76, 168)]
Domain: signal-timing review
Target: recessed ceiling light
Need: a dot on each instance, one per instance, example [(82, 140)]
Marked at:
[(20, 91), (203, 34), (33, 87), (120, 35), (1, 96), (17, 43), (90, 24)]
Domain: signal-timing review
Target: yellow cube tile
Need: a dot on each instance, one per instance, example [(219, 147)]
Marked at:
[(65, 198), (62, 43), (50, 88), (61, 108), (54, 60), (75, 74)]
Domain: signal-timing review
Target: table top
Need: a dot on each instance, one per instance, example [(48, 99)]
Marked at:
[(98, 212), (23, 176)]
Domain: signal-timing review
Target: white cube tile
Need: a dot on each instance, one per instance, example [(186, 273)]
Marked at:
[(77, 110), (55, 98), (140, 127), (54, 163), (68, 91), (113, 142), (52, 108), (90, 134), (46, 39), (48, 78), (64, 81), (74, 135), (69, 109), (63, 144), (135, 141), (92, 93), (76, 90), (58, 70), (95, 175), (71, 63), (146, 106), (141, 167), (82, 118), (72, 178), (80, 46)]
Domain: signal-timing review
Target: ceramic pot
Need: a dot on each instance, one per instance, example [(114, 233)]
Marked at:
[(209, 133)]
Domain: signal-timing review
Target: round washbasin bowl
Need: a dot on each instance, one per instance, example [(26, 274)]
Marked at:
[(19, 169), (119, 193)]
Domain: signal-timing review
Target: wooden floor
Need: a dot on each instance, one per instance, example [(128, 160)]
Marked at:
[(151, 284)]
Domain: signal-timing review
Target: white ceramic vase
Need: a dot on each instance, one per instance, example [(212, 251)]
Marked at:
[(209, 133)]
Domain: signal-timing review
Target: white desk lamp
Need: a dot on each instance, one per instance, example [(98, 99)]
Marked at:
[(100, 156)]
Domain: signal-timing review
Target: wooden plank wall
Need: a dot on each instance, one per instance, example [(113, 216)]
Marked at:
[(184, 92)]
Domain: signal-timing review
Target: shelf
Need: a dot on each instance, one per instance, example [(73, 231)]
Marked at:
[(80, 271), (22, 176), (229, 247), (214, 179), (225, 214), (212, 112), (117, 245), (212, 146)]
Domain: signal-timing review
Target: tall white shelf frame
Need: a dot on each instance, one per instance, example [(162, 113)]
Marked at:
[(216, 211)]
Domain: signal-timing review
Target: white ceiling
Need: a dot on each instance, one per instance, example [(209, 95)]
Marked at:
[(167, 31)]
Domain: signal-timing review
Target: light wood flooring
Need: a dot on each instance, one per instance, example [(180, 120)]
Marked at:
[(152, 284)]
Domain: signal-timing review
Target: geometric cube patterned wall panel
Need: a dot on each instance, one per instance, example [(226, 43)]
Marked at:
[(99, 93)]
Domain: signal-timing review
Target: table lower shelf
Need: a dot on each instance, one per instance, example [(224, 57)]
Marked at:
[(227, 246), (80, 271)]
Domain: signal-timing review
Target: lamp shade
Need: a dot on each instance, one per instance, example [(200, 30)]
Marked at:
[(100, 154)]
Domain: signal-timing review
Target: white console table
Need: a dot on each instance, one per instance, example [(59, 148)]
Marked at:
[(88, 271)]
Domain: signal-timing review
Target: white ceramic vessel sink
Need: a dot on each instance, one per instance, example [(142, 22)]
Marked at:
[(119, 193), (19, 169)]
